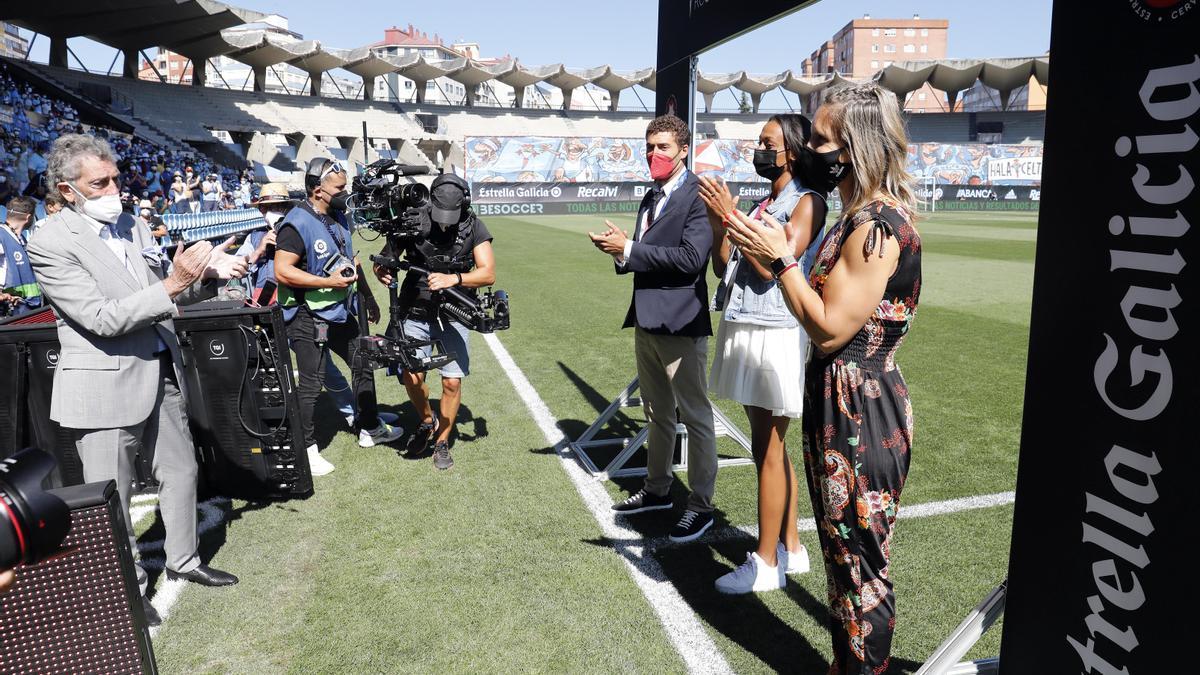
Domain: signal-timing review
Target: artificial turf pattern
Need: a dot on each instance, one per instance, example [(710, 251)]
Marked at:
[(497, 566)]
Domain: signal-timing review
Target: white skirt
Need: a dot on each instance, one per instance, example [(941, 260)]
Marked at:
[(760, 366)]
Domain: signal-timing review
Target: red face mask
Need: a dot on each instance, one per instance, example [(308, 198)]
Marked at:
[(661, 166)]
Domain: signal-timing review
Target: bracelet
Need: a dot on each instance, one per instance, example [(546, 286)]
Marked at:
[(791, 265), (459, 278)]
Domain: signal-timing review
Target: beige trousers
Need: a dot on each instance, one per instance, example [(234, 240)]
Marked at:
[(671, 375)]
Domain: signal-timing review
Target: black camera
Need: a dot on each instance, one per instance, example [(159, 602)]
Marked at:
[(339, 265), (380, 200), (33, 522)]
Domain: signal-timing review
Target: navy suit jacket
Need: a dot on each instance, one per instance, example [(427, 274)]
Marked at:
[(670, 266)]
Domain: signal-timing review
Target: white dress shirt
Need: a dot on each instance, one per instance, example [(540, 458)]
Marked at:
[(667, 189)]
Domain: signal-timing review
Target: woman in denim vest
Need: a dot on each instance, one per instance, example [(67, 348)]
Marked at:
[(761, 349)]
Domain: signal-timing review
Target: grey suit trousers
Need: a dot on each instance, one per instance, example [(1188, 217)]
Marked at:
[(671, 375), (108, 454)]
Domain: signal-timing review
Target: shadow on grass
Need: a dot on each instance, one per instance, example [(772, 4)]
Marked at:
[(212, 523), (745, 620), (620, 426)]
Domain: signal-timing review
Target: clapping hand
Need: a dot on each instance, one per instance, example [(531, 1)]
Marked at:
[(222, 265), (717, 197), (611, 240), (763, 241), (187, 267)]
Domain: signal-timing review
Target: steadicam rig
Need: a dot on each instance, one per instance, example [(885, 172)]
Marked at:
[(487, 313)]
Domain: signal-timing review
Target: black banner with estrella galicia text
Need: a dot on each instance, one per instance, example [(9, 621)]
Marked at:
[(1101, 572)]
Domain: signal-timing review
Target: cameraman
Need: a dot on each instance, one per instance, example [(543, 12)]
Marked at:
[(458, 252), (19, 290), (316, 271)]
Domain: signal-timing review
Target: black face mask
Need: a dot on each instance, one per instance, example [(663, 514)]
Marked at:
[(338, 201), (765, 164), (821, 171)]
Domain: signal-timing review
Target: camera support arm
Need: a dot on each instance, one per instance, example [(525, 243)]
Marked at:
[(486, 314)]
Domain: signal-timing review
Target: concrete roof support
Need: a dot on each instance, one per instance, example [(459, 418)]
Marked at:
[(709, 85), (519, 77), (756, 86)]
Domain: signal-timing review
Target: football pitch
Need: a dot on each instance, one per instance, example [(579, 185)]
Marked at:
[(509, 562)]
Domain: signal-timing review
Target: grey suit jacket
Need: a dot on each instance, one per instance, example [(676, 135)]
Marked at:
[(109, 320)]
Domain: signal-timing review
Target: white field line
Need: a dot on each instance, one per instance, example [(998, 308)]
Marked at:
[(924, 510), (682, 626), (150, 552)]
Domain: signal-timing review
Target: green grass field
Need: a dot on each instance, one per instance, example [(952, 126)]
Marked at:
[(498, 566)]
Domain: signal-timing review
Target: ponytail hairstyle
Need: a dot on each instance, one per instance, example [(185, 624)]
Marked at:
[(866, 122)]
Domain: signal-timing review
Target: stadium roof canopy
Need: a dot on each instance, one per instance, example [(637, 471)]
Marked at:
[(130, 24), (195, 28)]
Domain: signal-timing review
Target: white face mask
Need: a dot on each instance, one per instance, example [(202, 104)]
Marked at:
[(273, 217), (104, 208)]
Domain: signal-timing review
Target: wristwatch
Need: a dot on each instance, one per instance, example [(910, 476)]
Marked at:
[(781, 265)]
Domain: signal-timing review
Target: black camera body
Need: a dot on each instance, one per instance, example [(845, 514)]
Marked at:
[(381, 201)]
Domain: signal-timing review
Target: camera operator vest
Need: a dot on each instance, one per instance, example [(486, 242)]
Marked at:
[(18, 273), (322, 239)]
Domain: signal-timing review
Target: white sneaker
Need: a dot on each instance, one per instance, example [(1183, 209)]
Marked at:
[(754, 575), (793, 563), (385, 417), (384, 433), (318, 465)]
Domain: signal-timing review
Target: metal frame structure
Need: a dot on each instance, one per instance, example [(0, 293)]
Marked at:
[(945, 660), (616, 468)]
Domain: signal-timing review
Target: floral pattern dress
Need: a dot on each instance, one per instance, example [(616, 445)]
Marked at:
[(858, 430)]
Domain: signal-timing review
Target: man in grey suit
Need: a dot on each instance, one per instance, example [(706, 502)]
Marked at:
[(116, 386)]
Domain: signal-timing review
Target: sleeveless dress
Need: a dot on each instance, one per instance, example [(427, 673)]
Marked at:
[(858, 430)]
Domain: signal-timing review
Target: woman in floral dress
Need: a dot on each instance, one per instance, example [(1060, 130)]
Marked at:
[(856, 305)]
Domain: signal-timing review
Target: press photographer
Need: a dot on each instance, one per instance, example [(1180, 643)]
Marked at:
[(19, 290), (447, 252), (316, 270)]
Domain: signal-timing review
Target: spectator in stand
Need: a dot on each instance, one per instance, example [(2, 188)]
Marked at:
[(227, 202), (180, 195), (22, 174), (191, 181), (210, 189), (53, 204), (6, 187), (135, 181), (36, 168)]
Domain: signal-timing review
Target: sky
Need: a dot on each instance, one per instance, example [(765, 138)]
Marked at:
[(622, 33)]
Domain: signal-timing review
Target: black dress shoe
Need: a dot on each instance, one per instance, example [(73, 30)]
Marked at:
[(152, 617), (205, 576)]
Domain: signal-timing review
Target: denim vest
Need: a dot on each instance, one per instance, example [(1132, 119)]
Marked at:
[(746, 298)]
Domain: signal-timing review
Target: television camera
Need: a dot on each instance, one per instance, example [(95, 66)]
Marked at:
[(382, 201)]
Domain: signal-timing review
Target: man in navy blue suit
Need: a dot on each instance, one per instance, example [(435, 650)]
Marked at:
[(668, 256)]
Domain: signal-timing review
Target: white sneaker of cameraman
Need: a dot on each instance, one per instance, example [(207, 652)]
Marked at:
[(318, 465), (754, 575), (384, 433)]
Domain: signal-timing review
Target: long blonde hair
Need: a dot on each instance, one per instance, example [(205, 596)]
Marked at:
[(866, 121)]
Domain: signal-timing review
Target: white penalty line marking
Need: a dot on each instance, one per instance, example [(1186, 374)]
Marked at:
[(682, 626), (169, 590)]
